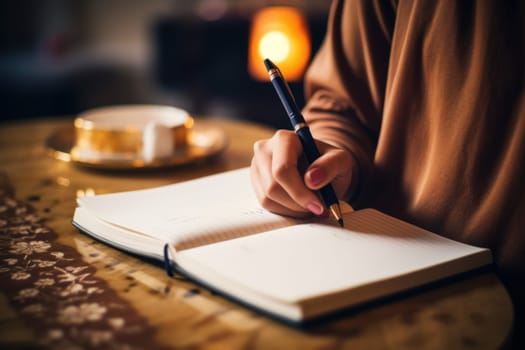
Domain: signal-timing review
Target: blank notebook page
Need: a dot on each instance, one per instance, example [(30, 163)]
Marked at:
[(302, 261)]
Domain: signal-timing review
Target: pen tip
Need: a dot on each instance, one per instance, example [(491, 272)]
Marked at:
[(268, 64), (336, 213)]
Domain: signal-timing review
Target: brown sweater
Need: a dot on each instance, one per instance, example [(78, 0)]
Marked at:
[(429, 96)]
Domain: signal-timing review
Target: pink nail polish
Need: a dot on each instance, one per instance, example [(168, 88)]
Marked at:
[(316, 176), (315, 209)]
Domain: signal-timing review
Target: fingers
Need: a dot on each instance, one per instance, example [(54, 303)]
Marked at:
[(276, 179), (285, 172), (281, 188), (335, 166), (278, 202)]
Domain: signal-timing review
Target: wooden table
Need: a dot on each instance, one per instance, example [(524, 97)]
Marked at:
[(60, 288)]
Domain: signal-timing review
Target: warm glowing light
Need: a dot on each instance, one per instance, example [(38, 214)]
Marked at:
[(281, 34), (275, 45), (66, 157), (88, 192), (63, 181)]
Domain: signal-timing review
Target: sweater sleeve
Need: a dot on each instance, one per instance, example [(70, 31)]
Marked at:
[(345, 84)]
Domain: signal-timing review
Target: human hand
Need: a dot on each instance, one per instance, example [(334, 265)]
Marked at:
[(278, 183)]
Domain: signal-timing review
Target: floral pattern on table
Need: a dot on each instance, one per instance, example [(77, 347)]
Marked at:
[(56, 293)]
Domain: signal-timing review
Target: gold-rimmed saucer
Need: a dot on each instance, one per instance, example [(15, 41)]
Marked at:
[(203, 142)]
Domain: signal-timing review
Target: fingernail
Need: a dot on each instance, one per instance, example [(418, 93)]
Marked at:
[(314, 208), (316, 176)]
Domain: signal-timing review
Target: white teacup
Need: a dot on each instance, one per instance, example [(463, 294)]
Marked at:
[(143, 132)]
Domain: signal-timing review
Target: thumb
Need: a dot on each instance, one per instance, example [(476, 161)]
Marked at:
[(336, 166)]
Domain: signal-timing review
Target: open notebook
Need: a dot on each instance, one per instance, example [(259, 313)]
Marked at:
[(295, 270)]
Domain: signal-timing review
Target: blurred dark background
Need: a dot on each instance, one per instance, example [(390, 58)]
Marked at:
[(60, 57)]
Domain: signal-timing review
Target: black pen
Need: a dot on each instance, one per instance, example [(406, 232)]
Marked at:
[(303, 131)]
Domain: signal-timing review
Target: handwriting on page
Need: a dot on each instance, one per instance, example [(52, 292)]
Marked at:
[(254, 211)]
